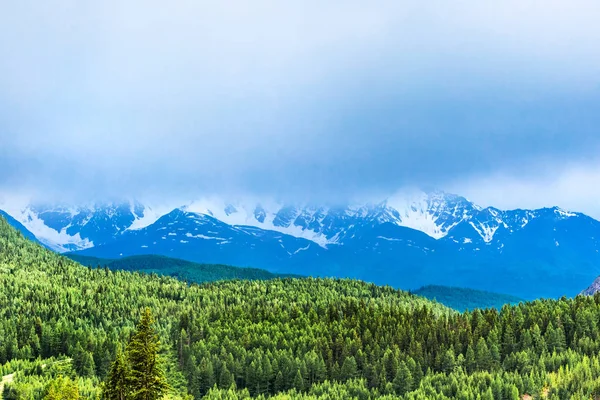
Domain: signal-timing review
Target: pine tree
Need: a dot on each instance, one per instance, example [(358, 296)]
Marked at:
[(417, 374), (508, 342), (147, 377), (349, 369), (78, 358), (279, 384), (391, 365), (206, 376), (103, 363), (225, 378), (488, 395), (88, 367), (448, 361), (117, 384), (513, 393), (298, 381), (470, 363), (403, 380), (483, 356)]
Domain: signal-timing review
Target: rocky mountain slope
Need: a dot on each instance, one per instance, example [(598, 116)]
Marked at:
[(593, 288), (407, 241)]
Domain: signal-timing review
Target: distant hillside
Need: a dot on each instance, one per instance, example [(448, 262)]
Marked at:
[(185, 270), (462, 299)]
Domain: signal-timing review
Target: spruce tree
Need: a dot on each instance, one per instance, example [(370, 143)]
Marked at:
[(349, 369), (298, 381), (88, 367), (118, 382), (206, 376), (448, 361), (147, 376), (225, 378), (483, 356), (403, 380), (279, 385)]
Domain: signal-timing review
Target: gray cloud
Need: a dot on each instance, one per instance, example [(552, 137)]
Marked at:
[(314, 99)]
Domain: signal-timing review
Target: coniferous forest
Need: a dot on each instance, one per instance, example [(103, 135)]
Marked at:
[(73, 332)]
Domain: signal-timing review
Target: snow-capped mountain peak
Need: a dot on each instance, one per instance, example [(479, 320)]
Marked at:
[(56, 238), (403, 240), (437, 214), (273, 216), (433, 213)]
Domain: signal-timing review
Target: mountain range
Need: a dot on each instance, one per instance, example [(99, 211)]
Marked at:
[(407, 241)]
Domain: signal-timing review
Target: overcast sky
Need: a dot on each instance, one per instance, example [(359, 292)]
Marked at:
[(317, 100)]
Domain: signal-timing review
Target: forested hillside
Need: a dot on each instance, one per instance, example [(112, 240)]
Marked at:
[(181, 269), (463, 299), (62, 326)]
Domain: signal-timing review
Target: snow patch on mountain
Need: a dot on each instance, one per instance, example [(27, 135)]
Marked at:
[(260, 215), (433, 213), (389, 239), (436, 214), (563, 213), (416, 216), (59, 241), (302, 249), (150, 215), (485, 231), (200, 236)]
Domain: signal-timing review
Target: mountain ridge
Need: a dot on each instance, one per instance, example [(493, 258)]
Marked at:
[(435, 213), (425, 239)]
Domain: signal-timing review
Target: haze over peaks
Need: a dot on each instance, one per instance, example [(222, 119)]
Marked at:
[(79, 226), (303, 101)]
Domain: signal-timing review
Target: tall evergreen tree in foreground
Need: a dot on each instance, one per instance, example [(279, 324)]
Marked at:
[(147, 376), (139, 375)]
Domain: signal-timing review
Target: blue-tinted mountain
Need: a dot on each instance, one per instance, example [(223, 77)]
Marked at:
[(408, 242), (100, 223), (202, 238)]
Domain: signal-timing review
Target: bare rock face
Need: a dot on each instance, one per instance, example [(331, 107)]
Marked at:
[(594, 287)]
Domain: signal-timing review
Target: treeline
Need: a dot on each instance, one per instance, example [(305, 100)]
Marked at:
[(177, 268), (300, 338), (463, 299)]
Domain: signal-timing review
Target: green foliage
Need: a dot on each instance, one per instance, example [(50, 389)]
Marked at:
[(147, 377), (403, 382), (463, 299), (118, 381), (139, 376), (177, 268), (62, 388), (281, 338), (49, 378)]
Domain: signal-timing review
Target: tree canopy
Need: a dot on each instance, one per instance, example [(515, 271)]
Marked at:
[(65, 325)]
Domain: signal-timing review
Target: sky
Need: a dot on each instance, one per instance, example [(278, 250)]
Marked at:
[(310, 101)]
